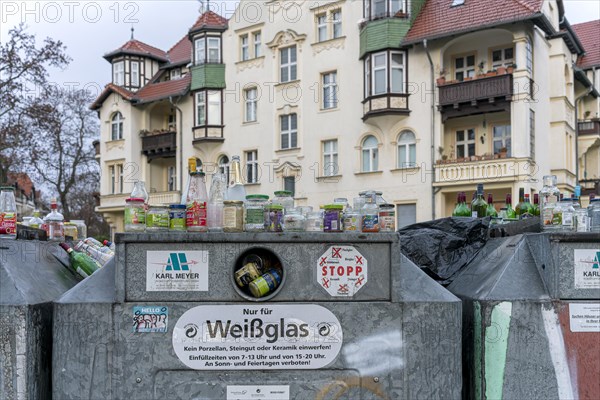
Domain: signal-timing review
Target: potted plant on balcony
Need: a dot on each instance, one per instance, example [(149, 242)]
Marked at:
[(442, 79), (491, 72), (503, 152), (501, 70), (510, 69)]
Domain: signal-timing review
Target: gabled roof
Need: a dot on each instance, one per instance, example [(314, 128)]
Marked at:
[(438, 18), (181, 52), (108, 89), (138, 48), (209, 20), (162, 90), (589, 36), (23, 182)]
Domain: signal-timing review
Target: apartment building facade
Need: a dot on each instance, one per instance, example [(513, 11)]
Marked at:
[(331, 98)]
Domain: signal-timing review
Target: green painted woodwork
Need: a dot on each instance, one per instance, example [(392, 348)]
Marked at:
[(383, 34), (211, 76)]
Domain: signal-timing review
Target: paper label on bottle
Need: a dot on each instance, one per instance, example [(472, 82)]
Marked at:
[(196, 214), (8, 223), (567, 219), (255, 216), (135, 215), (474, 214), (370, 223)]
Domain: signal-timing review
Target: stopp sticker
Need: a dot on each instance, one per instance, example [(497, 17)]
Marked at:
[(150, 319), (342, 271)]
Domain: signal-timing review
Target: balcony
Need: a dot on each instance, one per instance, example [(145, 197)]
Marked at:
[(164, 198), (591, 127), (159, 143), (385, 104), (203, 134), (116, 202), (452, 172), (476, 96)]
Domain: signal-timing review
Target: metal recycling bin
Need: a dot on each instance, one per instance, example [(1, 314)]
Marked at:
[(531, 318), (352, 319), (32, 276)]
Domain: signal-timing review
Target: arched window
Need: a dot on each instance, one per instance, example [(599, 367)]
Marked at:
[(407, 150), (223, 164), (370, 154), (116, 126)]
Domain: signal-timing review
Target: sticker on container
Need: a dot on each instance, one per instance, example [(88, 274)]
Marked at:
[(150, 319), (584, 317), (260, 392), (276, 337), (342, 271), (177, 271), (587, 269)]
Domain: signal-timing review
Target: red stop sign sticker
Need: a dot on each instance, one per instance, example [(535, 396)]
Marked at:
[(342, 271)]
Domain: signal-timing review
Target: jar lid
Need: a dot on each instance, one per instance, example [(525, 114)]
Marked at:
[(159, 206), (257, 197), (6, 188), (386, 205), (197, 173), (177, 206), (274, 207), (280, 193), (134, 199), (233, 202), (333, 207)]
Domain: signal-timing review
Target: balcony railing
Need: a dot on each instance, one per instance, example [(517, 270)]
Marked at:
[(385, 104), (591, 127), (476, 96), (158, 144), (448, 173), (164, 198)]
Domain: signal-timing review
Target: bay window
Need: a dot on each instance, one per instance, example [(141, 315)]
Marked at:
[(207, 49), (209, 108), (374, 9), (119, 73), (385, 72)]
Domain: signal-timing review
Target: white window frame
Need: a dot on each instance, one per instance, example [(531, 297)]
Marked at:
[(505, 136), (371, 153), (175, 73), (372, 72), (336, 20), (404, 147), (368, 76), (119, 73), (135, 81), (389, 9), (251, 166), (112, 175), (250, 104), (529, 56), (503, 61), (380, 68), (288, 65), (290, 133), (171, 178), (116, 122), (322, 27), (330, 90), (330, 157), (400, 68), (257, 36), (468, 71), (245, 47), (200, 50), (120, 176), (214, 108), (466, 142), (223, 165), (210, 47), (200, 98)]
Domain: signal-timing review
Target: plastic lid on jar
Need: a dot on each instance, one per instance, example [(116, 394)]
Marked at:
[(197, 173), (177, 206), (7, 188), (281, 193), (386, 205), (257, 197), (274, 207), (134, 200), (333, 207), (234, 202)]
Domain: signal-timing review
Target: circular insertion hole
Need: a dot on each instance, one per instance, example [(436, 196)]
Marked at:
[(258, 274)]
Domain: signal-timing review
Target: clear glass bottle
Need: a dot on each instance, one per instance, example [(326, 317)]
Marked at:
[(236, 190), (582, 221), (8, 213), (594, 215), (294, 221), (197, 201), (284, 198), (255, 209), (370, 213), (37, 222), (140, 192), (192, 165), (564, 215), (81, 227), (273, 217), (55, 223), (478, 205), (549, 196), (218, 191), (351, 220)]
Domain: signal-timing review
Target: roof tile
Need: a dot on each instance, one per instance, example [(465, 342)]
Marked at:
[(209, 19), (162, 90), (589, 35), (135, 46)]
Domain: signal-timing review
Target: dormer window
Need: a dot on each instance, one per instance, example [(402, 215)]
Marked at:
[(119, 73), (175, 73), (375, 9), (460, 3), (207, 49), (135, 74)]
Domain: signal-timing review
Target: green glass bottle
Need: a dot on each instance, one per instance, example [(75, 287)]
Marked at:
[(465, 211), (536, 205), (80, 262), (479, 206), (457, 208), (520, 207), (527, 210), (510, 212), (491, 210)]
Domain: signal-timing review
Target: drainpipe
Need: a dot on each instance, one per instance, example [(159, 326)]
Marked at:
[(432, 81), (180, 119)]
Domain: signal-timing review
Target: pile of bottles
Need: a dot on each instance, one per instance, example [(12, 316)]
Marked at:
[(259, 275), (89, 255), (479, 208), (227, 208), (563, 213)]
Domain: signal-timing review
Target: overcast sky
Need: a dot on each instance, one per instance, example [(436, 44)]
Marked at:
[(90, 29)]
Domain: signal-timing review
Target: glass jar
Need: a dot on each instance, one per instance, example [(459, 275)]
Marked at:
[(273, 218), (314, 221), (294, 221), (71, 230), (8, 213), (157, 219), (379, 200), (341, 200), (284, 198), (582, 222), (177, 217), (135, 215), (351, 220), (233, 216), (81, 227), (549, 196), (370, 213), (387, 218), (332, 218), (255, 208), (594, 215)]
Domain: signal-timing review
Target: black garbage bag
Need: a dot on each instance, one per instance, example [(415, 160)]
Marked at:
[(444, 246)]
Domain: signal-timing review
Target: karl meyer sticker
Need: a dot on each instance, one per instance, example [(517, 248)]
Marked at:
[(172, 271), (587, 269), (342, 271), (238, 337)]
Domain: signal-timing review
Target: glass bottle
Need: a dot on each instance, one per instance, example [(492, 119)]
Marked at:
[(549, 196), (254, 220), (465, 210), (491, 210), (192, 165), (536, 204), (520, 207), (294, 221), (478, 205), (370, 213), (457, 208), (236, 190), (218, 191), (80, 263), (527, 210), (140, 192), (109, 244), (568, 214), (55, 223), (510, 212), (8, 213), (594, 215), (197, 200), (36, 221)]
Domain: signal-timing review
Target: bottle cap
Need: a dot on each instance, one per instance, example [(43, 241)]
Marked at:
[(257, 197), (281, 193)]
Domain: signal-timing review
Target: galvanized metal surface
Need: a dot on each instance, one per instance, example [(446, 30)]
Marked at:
[(406, 347)]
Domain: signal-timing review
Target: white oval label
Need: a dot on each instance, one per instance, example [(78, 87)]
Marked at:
[(241, 337)]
